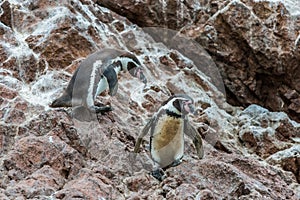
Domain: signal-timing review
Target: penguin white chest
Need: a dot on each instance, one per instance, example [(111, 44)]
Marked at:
[(102, 85), (167, 142)]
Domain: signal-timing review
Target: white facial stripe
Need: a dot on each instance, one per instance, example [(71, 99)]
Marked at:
[(117, 69), (169, 106), (124, 61)]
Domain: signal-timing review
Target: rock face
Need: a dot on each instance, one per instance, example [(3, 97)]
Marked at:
[(255, 44), (250, 153)]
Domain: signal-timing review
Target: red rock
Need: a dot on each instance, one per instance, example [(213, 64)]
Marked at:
[(285, 130), (184, 191), (7, 137), (87, 185), (43, 182), (31, 153), (62, 54), (206, 195), (252, 38), (288, 159), (5, 16), (15, 117), (266, 133), (291, 94), (139, 182), (295, 105), (253, 180), (7, 93)]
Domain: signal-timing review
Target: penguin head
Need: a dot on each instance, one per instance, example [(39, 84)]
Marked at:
[(131, 64), (180, 104)]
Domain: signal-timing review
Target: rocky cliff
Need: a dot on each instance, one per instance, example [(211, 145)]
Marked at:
[(255, 44), (242, 52)]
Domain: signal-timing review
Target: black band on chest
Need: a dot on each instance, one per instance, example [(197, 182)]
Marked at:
[(172, 114)]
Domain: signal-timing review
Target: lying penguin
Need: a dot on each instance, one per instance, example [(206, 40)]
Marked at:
[(96, 73), (167, 128)]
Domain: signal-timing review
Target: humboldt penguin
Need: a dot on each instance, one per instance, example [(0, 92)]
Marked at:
[(167, 128), (95, 74)]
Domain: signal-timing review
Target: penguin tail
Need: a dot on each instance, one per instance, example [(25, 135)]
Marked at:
[(63, 101)]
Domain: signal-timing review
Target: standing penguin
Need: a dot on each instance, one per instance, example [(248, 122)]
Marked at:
[(96, 73), (167, 128)]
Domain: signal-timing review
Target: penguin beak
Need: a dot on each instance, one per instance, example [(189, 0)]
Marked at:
[(141, 76), (191, 109)]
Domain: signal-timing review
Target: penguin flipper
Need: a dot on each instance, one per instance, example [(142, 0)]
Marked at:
[(101, 109), (144, 132), (113, 89), (112, 79), (193, 134)]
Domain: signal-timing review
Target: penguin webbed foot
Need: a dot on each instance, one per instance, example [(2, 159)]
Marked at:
[(101, 109), (159, 174)]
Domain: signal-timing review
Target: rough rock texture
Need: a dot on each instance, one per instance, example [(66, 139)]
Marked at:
[(250, 153), (255, 44)]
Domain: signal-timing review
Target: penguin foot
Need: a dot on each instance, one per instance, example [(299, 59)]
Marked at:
[(159, 174), (102, 109)]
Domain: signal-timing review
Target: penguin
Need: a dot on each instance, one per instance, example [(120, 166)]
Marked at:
[(95, 74), (167, 127)]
